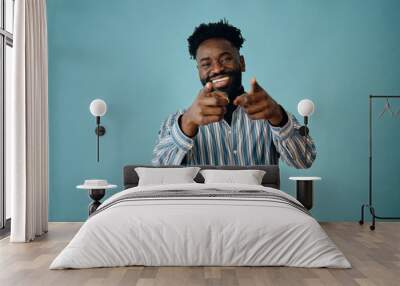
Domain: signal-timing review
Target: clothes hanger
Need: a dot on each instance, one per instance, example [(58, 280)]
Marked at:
[(387, 108)]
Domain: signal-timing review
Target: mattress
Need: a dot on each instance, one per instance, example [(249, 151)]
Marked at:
[(201, 225)]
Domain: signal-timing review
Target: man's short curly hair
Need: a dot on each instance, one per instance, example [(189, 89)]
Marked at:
[(221, 29)]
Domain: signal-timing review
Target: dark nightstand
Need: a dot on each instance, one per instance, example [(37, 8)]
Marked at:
[(97, 190), (304, 190)]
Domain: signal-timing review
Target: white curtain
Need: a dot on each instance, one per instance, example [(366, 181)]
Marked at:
[(27, 123)]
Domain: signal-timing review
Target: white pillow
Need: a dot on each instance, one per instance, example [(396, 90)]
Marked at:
[(248, 177), (164, 176)]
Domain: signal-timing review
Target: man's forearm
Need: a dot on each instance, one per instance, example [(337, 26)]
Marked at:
[(190, 129), (281, 119), (296, 150)]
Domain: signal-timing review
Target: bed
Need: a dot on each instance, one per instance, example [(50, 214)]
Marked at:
[(197, 224)]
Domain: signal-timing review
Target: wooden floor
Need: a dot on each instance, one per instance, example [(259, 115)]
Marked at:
[(375, 256)]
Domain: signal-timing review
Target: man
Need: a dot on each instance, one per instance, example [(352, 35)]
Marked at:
[(226, 125)]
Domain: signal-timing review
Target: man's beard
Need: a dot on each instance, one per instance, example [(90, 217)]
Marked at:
[(234, 88)]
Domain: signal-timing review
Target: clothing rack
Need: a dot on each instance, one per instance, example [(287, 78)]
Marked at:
[(370, 205)]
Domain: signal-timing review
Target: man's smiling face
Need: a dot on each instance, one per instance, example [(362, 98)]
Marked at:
[(220, 63)]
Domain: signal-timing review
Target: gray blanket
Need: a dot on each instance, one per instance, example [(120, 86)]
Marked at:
[(206, 194)]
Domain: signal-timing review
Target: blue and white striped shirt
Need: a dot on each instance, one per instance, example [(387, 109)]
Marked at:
[(245, 142)]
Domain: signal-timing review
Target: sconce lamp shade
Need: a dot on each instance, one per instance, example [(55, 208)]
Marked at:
[(305, 107), (98, 107)]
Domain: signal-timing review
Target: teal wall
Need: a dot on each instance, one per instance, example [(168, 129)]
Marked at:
[(133, 54)]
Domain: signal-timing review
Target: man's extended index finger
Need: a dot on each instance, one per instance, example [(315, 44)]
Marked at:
[(254, 86), (206, 89)]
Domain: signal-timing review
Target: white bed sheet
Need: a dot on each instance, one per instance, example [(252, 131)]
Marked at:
[(200, 232)]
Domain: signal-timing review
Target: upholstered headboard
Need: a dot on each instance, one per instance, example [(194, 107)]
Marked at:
[(270, 179)]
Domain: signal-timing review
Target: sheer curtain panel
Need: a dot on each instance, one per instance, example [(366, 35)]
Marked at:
[(27, 151)]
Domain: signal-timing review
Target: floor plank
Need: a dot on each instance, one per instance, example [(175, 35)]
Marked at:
[(375, 257)]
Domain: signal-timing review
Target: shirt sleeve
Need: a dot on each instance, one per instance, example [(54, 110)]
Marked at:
[(172, 144), (296, 150)]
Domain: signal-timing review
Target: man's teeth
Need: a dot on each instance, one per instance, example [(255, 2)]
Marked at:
[(220, 79)]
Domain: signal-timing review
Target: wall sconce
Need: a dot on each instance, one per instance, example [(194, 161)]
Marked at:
[(305, 108), (98, 108)]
